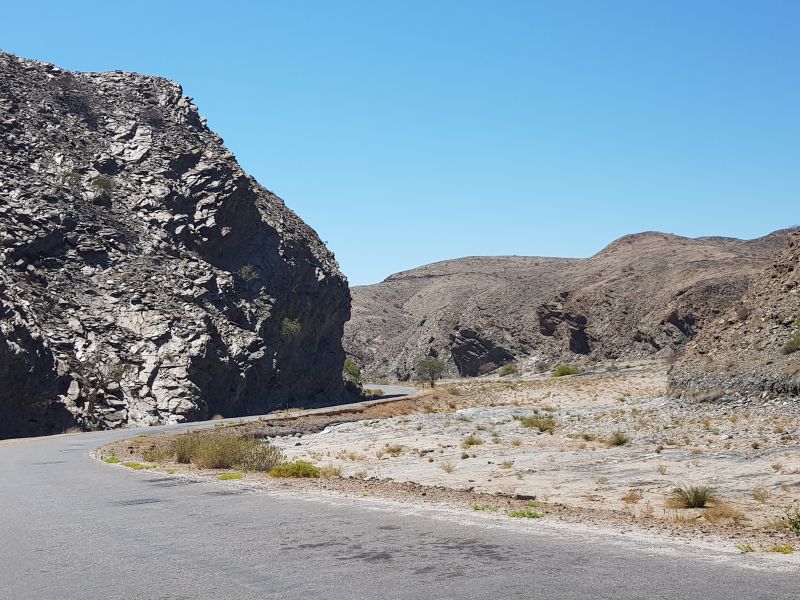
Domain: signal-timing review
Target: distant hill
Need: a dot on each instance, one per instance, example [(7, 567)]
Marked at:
[(644, 295)]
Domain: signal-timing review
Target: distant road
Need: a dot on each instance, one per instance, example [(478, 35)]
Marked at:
[(74, 528)]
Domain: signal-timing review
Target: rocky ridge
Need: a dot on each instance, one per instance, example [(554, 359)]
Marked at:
[(144, 277), (642, 296), (743, 353)]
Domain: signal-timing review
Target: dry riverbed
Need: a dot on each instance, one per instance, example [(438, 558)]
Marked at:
[(605, 448)]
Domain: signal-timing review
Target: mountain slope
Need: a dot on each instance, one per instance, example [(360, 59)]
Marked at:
[(145, 277), (643, 295), (744, 352)]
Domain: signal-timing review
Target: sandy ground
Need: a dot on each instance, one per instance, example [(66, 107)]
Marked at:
[(468, 442)]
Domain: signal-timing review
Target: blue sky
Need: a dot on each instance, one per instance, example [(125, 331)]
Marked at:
[(409, 132)]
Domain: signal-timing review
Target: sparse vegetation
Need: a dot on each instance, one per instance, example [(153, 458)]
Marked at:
[(102, 183), (352, 371), (112, 460), (509, 369), (247, 273), (298, 468), (745, 548), (791, 520), (761, 494), (290, 327), (524, 513), (782, 549), (563, 370), (793, 343), (618, 438), (692, 496), (224, 452), (471, 440), (544, 423), (485, 508), (447, 467), (136, 466), (230, 476)]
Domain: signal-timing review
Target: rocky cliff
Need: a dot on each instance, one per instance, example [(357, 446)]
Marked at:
[(145, 278), (644, 295), (746, 352)]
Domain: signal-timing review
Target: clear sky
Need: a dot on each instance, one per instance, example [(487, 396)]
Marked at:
[(414, 131)]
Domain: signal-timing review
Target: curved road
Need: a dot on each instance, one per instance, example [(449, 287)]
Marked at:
[(74, 528)]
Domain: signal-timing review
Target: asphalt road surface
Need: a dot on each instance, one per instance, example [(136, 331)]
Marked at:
[(75, 528)]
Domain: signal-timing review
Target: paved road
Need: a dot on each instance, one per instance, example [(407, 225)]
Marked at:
[(75, 528)]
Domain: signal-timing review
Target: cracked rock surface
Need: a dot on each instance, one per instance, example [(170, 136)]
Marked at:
[(144, 277)]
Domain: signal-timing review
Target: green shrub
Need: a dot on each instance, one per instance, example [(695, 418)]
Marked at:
[(230, 476), (111, 460), (352, 371), (540, 422), (692, 496), (137, 466), (508, 370), (792, 521), (72, 180), (247, 274), (290, 327), (793, 345), (225, 451), (562, 370), (298, 468), (101, 183), (429, 369)]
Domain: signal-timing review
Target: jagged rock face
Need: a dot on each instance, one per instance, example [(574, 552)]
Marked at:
[(740, 354), (146, 277), (644, 295)]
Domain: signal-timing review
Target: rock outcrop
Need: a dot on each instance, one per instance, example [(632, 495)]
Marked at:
[(145, 277), (745, 352), (644, 295)]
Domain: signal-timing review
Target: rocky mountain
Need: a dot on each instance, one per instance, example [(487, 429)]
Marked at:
[(644, 295), (144, 277), (753, 347)]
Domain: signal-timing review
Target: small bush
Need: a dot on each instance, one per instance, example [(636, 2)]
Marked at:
[(247, 274), (485, 508), (761, 494), (394, 450), (792, 345), (562, 370), (101, 183), (230, 476), (329, 472), (352, 371), (112, 460), (792, 521), (782, 549), (447, 467), (298, 468), (471, 440), (745, 548), (508, 370), (619, 438), (540, 422), (693, 496), (290, 327)]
